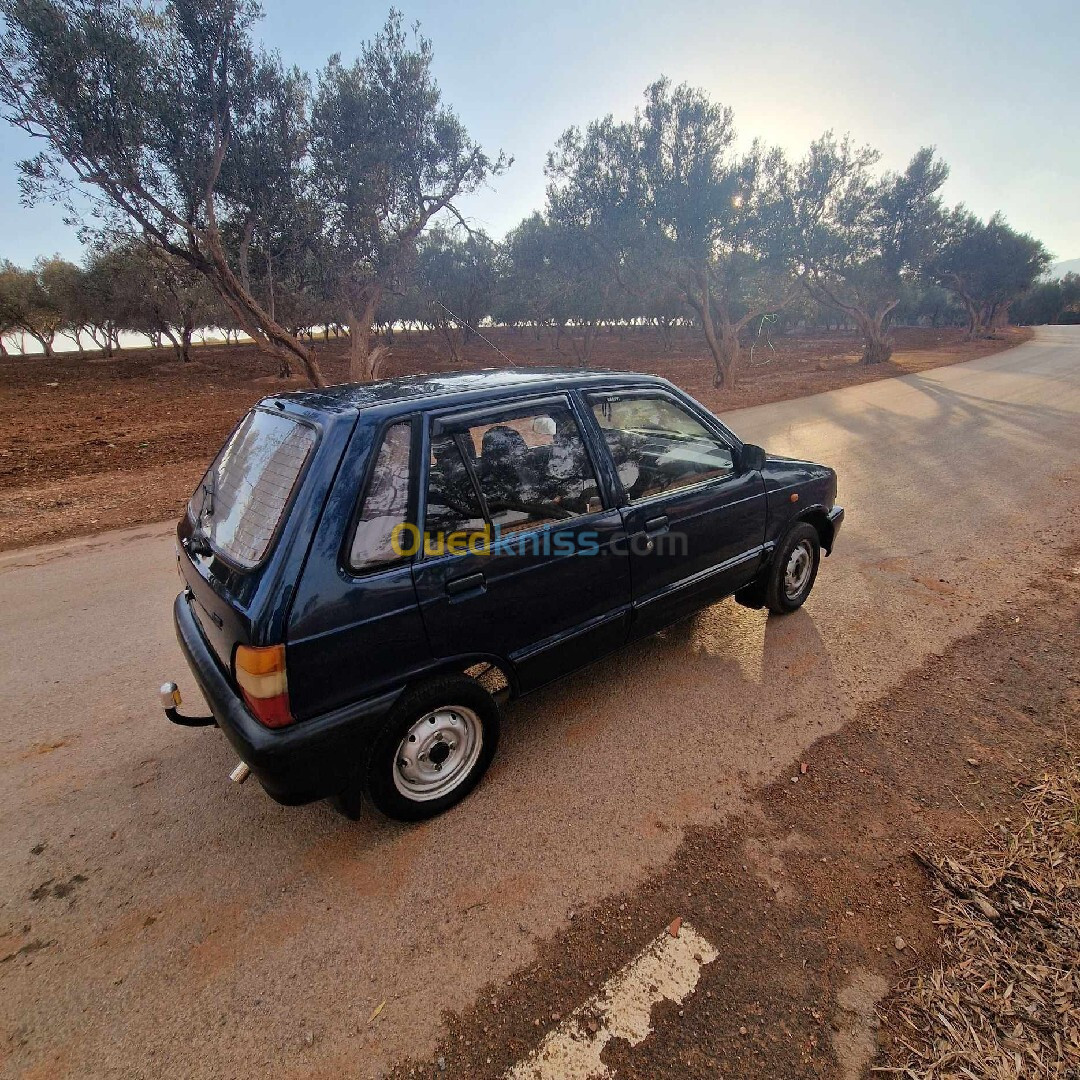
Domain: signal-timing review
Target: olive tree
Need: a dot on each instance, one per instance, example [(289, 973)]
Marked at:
[(527, 277), (1048, 302), (986, 265), (388, 156), (148, 107), (859, 236), (26, 306), (455, 285), (63, 286), (670, 184)]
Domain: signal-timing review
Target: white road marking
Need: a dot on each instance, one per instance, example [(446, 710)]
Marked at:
[(668, 969)]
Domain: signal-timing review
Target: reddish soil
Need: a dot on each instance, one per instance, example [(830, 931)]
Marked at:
[(92, 444), (813, 899)]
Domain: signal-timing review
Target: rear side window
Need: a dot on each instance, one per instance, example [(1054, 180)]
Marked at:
[(532, 469), (386, 504), (241, 500), (452, 504)]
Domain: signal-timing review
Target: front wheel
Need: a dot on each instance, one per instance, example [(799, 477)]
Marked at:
[(435, 747), (794, 569)]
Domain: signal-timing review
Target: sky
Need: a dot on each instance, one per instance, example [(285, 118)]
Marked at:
[(994, 86)]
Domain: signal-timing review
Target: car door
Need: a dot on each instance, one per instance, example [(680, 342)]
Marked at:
[(521, 555), (695, 523)]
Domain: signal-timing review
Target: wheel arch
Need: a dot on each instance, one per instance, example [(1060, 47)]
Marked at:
[(818, 516), (494, 673)]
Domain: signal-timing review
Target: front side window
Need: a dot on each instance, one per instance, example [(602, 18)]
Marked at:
[(531, 468), (241, 500), (659, 446), (386, 504)]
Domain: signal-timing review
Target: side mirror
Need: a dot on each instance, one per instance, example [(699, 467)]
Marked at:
[(751, 458)]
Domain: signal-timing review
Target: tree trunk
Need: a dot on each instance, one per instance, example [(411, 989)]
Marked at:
[(664, 326), (877, 346), (44, 341), (730, 353), (453, 342), (975, 327), (364, 360), (271, 291), (724, 345), (588, 340), (246, 234), (74, 337), (267, 333), (185, 342), (173, 342)]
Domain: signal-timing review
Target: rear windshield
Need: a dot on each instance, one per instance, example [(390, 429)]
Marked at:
[(240, 501)]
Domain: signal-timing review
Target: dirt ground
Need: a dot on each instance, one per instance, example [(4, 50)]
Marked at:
[(161, 921), (90, 444), (813, 900)]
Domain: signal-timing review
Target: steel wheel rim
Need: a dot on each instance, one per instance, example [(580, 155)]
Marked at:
[(438, 753), (799, 566)]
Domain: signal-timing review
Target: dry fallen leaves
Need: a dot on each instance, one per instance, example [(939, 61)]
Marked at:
[(1005, 1001)]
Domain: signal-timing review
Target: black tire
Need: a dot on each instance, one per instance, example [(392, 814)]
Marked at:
[(780, 597), (464, 717)]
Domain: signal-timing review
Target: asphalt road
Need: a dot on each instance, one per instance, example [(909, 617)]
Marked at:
[(158, 920)]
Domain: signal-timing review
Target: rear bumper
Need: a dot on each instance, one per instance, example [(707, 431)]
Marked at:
[(309, 760)]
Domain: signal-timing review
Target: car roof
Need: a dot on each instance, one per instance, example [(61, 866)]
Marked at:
[(447, 387)]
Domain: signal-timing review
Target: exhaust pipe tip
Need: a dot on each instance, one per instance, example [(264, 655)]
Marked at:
[(240, 773)]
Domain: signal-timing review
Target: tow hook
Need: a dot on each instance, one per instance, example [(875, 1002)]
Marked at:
[(170, 702)]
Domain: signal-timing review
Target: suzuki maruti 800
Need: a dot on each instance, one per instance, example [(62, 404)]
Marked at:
[(370, 572)]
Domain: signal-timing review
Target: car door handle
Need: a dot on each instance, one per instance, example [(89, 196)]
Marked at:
[(468, 583), (657, 524)]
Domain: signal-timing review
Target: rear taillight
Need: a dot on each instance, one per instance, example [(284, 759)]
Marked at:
[(260, 674)]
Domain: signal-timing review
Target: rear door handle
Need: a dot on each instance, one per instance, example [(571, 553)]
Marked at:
[(657, 524), (468, 583)]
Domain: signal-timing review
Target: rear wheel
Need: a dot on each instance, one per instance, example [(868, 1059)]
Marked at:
[(435, 747), (794, 569)]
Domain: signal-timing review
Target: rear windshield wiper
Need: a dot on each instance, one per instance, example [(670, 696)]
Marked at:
[(206, 507), (198, 543)]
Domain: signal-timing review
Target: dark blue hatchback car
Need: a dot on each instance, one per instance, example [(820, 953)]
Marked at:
[(371, 571)]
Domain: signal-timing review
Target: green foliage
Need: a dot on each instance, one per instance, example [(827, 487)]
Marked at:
[(455, 285), (220, 157), (987, 265), (861, 239), (1048, 302), (26, 304), (387, 157), (227, 189), (663, 206)]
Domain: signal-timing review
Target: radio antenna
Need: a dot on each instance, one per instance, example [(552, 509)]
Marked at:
[(466, 326)]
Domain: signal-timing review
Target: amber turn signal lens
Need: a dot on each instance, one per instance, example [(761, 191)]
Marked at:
[(260, 674), (260, 661)]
